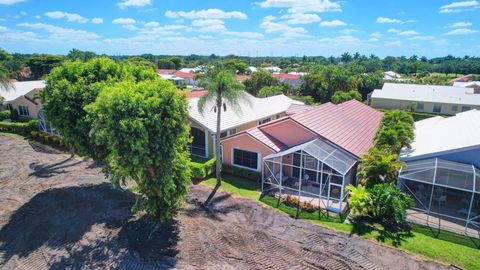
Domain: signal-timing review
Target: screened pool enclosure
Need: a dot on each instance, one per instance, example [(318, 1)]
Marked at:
[(446, 194), (314, 171)]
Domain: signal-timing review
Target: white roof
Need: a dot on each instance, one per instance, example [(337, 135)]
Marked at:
[(259, 108), (392, 74), (170, 77), (442, 135), (20, 89), (466, 84), (428, 93), (190, 70), (252, 69)]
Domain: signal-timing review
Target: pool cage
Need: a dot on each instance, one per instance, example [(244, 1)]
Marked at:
[(446, 194), (314, 171)]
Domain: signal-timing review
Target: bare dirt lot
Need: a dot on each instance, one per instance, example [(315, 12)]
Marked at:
[(60, 213)]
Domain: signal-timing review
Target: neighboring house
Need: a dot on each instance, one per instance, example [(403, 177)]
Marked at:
[(311, 153), (23, 98), (273, 69), (391, 75), (437, 99), (442, 172), (178, 77), (465, 78), (242, 78), (252, 69), (294, 80), (191, 70), (473, 84), (255, 112)]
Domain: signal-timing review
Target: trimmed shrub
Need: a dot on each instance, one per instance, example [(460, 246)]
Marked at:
[(5, 115), (19, 128), (202, 170), (389, 204), (48, 139), (244, 173)]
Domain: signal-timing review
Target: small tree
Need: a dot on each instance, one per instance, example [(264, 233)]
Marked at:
[(269, 91), (379, 166), (340, 96), (223, 92), (359, 201), (396, 131), (258, 80), (389, 204), (144, 130)]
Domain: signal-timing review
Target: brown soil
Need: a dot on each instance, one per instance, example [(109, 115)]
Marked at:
[(60, 213)]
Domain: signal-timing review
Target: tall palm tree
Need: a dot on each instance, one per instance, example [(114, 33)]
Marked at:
[(379, 166), (225, 93)]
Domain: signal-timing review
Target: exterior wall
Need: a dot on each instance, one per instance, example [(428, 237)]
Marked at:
[(33, 108), (404, 104), (471, 156), (244, 142), (289, 132)]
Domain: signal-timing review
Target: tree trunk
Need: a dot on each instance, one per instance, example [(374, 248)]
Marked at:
[(72, 152), (218, 170)]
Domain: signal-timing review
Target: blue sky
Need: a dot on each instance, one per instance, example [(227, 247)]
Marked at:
[(260, 27)]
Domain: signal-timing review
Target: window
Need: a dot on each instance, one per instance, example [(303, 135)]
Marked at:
[(9, 106), (437, 108), (420, 106), (245, 159), (228, 132), (23, 111), (266, 120), (454, 108), (466, 108)]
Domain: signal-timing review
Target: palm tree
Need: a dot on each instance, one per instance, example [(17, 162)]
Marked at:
[(379, 166), (5, 84), (223, 91)]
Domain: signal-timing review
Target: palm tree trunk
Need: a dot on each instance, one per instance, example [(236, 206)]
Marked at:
[(218, 170)]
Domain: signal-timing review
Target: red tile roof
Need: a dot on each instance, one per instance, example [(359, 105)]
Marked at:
[(286, 76), (242, 78), (184, 75), (166, 71), (266, 139), (298, 108), (351, 125), (465, 78), (195, 93)]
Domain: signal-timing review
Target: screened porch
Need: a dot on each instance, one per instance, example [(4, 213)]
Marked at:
[(446, 194), (315, 171)]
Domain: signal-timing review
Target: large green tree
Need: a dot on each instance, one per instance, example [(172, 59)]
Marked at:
[(224, 93), (258, 80), (339, 96), (144, 131), (42, 64), (76, 84), (396, 131), (379, 166)]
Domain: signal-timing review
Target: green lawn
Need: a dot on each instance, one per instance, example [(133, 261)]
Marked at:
[(443, 246)]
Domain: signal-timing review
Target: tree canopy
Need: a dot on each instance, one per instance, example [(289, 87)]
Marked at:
[(339, 96), (258, 80), (143, 130)]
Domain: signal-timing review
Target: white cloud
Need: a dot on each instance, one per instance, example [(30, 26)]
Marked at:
[(130, 27), (393, 30), (388, 20), (460, 24), (97, 20), (348, 31), (461, 31), (248, 35), (421, 38), (271, 26), (23, 13), (62, 34), (376, 35), (10, 2), (209, 25), (460, 6), (124, 21), (407, 33), (301, 18), (3, 28), (71, 17), (333, 23), (152, 24), (133, 3), (212, 13), (303, 6)]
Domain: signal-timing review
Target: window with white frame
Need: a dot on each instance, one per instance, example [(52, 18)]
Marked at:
[(229, 132), (420, 106), (263, 121), (245, 159), (437, 108), (23, 111), (466, 108)]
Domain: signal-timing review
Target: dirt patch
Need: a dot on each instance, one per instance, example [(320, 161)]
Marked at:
[(60, 213)]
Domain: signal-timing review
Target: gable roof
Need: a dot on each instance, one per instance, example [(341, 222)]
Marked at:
[(427, 93), (20, 89), (351, 125), (286, 76), (266, 139), (254, 110), (184, 75), (441, 135), (166, 71)]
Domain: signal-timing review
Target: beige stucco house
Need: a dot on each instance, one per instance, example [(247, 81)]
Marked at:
[(23, 97)]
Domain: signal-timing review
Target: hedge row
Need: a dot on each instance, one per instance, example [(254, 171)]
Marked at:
[(4, 115), (252, 175), (202, 170), (19, 128), (49, 139)]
